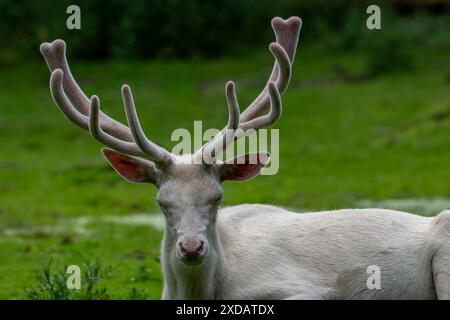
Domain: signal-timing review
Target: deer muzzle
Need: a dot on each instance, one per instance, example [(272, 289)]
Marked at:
[(191, 250)]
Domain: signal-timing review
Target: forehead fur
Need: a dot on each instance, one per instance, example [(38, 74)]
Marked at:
[(183, 179), (184, 168)]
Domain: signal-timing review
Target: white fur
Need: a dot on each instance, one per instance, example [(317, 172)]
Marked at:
[(266, 252)]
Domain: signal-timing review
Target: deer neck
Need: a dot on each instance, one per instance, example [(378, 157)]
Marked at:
[(191, 282)]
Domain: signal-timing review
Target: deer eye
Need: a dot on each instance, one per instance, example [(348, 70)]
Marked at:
[(217, 199), (163, 205)]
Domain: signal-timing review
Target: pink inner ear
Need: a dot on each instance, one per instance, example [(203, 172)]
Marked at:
[(242, 172), (244, 167), (245, 171), (126, 166)]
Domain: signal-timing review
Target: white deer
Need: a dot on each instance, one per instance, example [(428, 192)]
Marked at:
[(259, 251)]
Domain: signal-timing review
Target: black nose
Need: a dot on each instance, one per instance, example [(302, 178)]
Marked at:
[(192, 250)]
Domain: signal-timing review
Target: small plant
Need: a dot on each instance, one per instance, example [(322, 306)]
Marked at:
[(137, 294), (53, 286), (143, 274)]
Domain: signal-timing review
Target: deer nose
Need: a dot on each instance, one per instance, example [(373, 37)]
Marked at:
[(192, 249)]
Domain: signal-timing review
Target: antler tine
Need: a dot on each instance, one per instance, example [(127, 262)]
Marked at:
[(61, 100), (268, 119), (97, 132), (286, 33), (226, 136), (90, 123), (55, 56), (150, 149)]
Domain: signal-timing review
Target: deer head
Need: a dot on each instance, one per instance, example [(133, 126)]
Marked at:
[(190, 190)]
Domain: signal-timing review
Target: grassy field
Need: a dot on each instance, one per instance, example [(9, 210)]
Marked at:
[(345, 142)]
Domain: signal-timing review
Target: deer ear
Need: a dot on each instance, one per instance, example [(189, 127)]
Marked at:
[(244, 167), (132, 169)]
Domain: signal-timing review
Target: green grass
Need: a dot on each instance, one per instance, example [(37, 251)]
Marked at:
[(341, 144)]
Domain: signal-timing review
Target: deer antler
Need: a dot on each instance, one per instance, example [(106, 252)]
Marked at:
[(283, 50), (228, 133), (131, 140), (86, 113)]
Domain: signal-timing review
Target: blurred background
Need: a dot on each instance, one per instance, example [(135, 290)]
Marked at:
[(366, 123)]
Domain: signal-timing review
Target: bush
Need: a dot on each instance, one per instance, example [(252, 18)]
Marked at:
[(53, 286), (176, 28), (148, 28), (388, 54)]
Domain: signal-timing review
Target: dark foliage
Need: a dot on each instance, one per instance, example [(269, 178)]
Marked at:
[(171, 28)]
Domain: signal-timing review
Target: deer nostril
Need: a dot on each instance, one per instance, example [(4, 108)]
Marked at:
[(193, 249), (182, 248), (201, 247)]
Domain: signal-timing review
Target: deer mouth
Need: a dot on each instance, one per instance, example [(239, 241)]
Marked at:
[(195, 261)]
